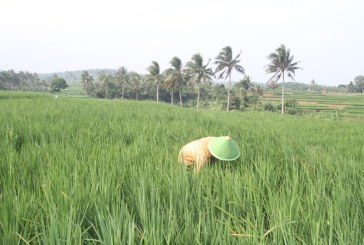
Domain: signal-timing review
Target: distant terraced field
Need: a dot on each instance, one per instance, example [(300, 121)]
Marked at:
[(342, 105)]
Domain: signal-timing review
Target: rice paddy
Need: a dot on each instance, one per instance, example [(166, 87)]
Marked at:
[(86, 171), (347, 106)]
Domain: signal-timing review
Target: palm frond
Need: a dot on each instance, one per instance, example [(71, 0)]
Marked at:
[(281, 61), (176, 63)]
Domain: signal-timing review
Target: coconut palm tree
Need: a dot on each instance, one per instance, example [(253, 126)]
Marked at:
[(86, 80), (280, 62), (122, 78), (199, 73), (155, 75), (137, 83), (174, 78), (225, 65)]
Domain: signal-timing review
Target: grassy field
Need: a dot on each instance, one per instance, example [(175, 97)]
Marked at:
[(85, 171), (74, 90), (323, 105), (341, 105)]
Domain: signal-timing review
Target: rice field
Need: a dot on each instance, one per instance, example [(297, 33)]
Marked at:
[(86, 171), (347, 106)]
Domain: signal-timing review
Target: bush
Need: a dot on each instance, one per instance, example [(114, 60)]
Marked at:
[(292, 111), (269, 107), (257, 107), (290, 104), (235, 103)]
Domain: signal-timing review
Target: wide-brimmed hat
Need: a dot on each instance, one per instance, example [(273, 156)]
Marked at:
[(224, 148)]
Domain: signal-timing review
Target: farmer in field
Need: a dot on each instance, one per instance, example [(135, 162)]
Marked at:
[(204, 150)]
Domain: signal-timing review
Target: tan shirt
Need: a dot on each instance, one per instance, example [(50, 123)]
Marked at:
[(195, 152)]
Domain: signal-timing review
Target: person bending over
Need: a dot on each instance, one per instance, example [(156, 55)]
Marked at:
[(201, 151)]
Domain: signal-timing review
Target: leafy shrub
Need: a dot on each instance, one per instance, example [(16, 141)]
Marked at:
[(257, 107), (269, 107), (235, 103), (290, 104), (292, 111)]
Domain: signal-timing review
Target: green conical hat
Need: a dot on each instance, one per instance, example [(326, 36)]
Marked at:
[(224, 148)]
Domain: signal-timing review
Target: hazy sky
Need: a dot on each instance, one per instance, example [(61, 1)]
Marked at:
[(59, 35)]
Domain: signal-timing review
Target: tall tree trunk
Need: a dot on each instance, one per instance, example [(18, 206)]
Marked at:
[(172, 97), (180, 96), (283, 93), (228, 101), (122, 93), (198, 96), (136, 94), (157, 92)]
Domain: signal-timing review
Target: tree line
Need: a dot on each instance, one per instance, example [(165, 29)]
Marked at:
[(356, 86), (195, 76), (184, 84), (26, 81)]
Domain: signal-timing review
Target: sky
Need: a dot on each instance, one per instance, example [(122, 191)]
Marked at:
[(46, 36)]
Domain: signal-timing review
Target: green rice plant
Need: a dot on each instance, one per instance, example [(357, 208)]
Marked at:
[(86, 171)]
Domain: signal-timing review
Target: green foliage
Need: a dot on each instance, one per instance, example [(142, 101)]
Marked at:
[(57, 84), (245, 83), (269, 107), (75, 76), (111, 90), (281, 63), (250, 100), (198, 73), (359, 84), (155, 77), (290, 104), (225, 64), (11, 80), (78, 171), (355, 87), (293, 111), (235, 103), (87, 82)]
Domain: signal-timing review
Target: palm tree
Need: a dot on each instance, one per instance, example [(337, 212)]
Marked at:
[(137, 83), (122, 79), (199, 73), (86, 80), (174, 78), (280, 62), (225, 65), (155, 75)]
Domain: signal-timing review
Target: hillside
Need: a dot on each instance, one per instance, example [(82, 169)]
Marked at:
[(106, 171)]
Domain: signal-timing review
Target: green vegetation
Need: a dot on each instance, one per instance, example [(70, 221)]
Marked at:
[(26, 81), (57, 84), (280, 62), (331, 105), (225, 64), (87, 171), (193, 82), (75, 76), (357, 86), (199, 73)]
